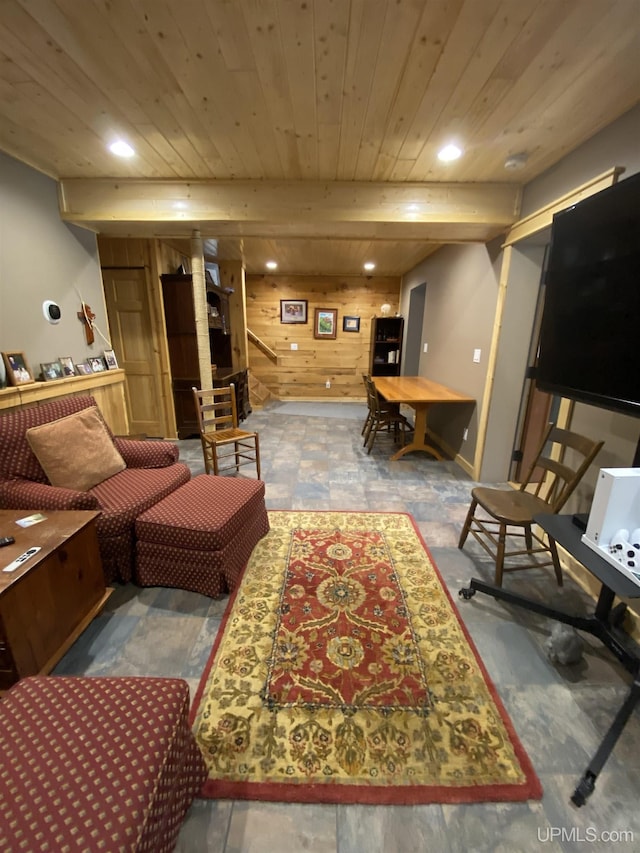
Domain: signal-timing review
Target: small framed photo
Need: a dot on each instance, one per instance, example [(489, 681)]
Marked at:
[(110, 359), (83, 368), (98, 364), (293, 310), (67, 365), (18, 372), (51, 370), (351, 324), (325, 323)]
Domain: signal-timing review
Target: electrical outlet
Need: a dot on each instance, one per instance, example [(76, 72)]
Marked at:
[(425, 347), (465, 435), (294, 346), (476, 356), (327, 384)]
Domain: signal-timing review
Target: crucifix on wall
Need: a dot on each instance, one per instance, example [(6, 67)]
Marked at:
[(86, 317)]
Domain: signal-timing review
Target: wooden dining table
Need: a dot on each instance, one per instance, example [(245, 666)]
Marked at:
[(420, 394)]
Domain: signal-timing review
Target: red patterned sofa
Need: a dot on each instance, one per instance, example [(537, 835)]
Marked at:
[(152, 472), (92, 763)]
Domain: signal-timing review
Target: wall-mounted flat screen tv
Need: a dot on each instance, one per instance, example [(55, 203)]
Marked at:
[(590, 332)]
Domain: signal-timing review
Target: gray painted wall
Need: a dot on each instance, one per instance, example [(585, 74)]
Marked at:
[(413, 330), (616, 145), (41, 258), (457, 318), (462, 289), (511, 361)]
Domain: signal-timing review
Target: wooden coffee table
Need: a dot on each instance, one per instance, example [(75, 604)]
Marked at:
[(50, 599)]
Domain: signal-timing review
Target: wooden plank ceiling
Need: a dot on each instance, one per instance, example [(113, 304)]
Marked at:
[(334, 108)]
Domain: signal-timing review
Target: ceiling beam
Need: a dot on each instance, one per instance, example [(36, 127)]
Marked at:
[(445, 212)]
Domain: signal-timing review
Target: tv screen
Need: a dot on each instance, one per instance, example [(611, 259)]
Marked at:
[(589, 337)]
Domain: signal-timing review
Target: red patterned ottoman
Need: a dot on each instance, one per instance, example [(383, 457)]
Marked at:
[(96, 764), (201, 536)]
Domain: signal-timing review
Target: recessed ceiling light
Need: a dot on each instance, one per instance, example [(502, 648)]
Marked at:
[(449, 152), (121, 149), (271, 265), (369, 265), (412, 208)]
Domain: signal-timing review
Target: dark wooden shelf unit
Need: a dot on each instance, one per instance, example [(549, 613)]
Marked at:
[(177, 296), (386, 346)]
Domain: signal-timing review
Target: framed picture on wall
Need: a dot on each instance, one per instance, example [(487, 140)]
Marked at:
[(293, 310), (351, 324), (18, 372), (325, 323)]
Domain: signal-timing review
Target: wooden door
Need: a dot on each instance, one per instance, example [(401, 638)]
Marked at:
[(134, 341)]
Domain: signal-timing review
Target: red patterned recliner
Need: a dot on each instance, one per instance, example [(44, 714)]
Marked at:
[(152, 473)]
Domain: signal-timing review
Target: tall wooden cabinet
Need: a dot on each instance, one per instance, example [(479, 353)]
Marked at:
[(386, 346), (177, 296)]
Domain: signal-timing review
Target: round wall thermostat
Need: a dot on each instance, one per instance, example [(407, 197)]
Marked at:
[(51, 311)]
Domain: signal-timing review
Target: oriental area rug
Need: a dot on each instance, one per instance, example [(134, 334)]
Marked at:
[(343, 674)]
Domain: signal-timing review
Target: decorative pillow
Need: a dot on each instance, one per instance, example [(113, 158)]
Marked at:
[(76, 452)]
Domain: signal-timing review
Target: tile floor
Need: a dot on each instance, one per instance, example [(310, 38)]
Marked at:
[(313, 459)]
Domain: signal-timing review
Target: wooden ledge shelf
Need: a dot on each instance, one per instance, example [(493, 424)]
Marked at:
[(107, 388)]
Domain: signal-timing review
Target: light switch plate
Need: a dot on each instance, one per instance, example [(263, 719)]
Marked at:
[(476, 356), (425, 347)]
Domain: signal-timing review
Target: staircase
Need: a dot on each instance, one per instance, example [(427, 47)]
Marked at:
[(259, 394)]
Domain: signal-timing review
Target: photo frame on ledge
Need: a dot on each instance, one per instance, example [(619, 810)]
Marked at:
[(98, 364), (67, 365), (324, 325), (110, 359), (18, 372), (51, 370), (293, 311), (83, 368), (351, 324)]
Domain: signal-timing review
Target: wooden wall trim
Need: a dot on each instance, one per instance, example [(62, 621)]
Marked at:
[(532, 224), (543, 217), (159, 262), (107, 388), (232, 277), (485, 404)]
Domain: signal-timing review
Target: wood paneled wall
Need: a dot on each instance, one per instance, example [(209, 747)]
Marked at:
[(302, 374)]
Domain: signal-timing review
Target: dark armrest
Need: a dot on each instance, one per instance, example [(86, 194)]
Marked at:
[(147, 454), (25, 494)]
